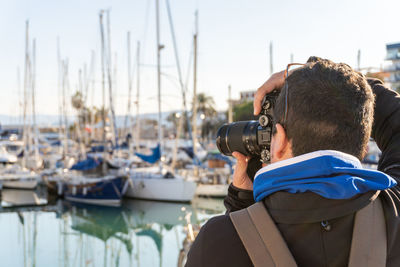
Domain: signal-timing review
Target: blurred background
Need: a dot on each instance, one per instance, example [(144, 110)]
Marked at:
[(103, 103)]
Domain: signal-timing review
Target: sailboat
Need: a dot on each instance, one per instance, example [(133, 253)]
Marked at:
[(16, 176), (93, 180), (149, 183), (102, 190), (157, 183)]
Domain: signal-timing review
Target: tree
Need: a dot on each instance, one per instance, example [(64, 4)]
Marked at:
[(174, 118), (77, 100), (243, 111), (207, 112), (206, 105), (210, 127), (98, 114)]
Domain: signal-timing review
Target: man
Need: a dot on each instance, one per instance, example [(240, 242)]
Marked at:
[(315, 183)]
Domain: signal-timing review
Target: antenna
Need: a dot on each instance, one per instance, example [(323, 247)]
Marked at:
[(271, 64), (230, 113)]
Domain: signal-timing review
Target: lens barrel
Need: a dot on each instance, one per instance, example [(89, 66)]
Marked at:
[(238, 136)]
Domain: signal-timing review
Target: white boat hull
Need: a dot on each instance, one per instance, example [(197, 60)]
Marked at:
[(30, 185), (14, 198), (164, 189), (212, 190), (19, 179)]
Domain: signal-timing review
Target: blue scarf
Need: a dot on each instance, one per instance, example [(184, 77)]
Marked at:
[(328, 173)]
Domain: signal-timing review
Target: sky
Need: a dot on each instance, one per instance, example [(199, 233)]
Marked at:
[(233, 44)]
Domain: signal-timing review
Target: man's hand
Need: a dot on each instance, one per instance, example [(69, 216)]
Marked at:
[(276, 81), (240, 178)]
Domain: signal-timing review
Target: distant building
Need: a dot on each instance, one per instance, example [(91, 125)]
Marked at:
[(247, 96), (393, 56)]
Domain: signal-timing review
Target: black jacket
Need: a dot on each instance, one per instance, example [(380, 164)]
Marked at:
[(317, 230)]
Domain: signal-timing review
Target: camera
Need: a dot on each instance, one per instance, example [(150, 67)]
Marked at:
[(251, 138)]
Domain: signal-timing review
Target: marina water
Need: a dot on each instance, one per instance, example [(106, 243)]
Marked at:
[(139, 233)]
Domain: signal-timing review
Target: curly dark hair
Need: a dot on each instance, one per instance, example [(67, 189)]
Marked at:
[(330, 107)]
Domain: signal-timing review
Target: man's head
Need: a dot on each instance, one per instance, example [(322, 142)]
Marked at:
[(330, 106)]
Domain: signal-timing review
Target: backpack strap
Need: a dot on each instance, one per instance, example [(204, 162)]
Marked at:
[(261, 238), (266, 247), (369, 243)]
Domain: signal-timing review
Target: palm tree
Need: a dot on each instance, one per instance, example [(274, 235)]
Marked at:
[(207, 111), (206, 105), (77, 100)]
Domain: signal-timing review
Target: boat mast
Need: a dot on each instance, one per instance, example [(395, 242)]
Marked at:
[(103, 90), (34, 126), (20, 104), (128, 113), (85, 118), (159, 47), (65, 85), (92, 77), (115, 92), (25, 130), (194, 134), (79, 112), (60, 111), (137, 96), (109, 78)]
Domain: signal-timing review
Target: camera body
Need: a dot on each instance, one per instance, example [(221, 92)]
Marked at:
[(251, 138)]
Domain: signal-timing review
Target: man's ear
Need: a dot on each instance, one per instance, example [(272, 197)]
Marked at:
[(281, 147)]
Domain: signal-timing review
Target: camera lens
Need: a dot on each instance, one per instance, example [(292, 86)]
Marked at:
[(239, 136)]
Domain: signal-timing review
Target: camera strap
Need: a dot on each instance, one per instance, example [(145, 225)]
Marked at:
[(266, 246)]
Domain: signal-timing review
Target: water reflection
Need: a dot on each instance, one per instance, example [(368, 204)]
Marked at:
[(139, 233)]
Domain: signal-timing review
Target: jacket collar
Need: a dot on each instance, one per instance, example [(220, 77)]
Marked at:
[(350, 158), (309, 207)]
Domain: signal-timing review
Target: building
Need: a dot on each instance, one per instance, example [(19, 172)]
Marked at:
[(393, 57), (247, 96)]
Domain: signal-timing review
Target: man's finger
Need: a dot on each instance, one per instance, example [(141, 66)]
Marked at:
[(242, 160), (274, 82), (239, 156), (258, 97), (240, 177)]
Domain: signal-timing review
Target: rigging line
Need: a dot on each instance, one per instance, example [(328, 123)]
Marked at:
[(195, 159), (109, 77), (131, 77), (178, 66), (128, 112), (85, 86), (92, 76), (89, 76), (188, 68)]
